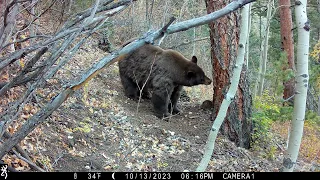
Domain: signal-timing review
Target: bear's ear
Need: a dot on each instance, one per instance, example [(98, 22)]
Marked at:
[(194, 59), (190, 74)]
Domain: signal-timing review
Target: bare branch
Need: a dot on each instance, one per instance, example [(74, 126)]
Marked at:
[(5, 61), (25, 39), (37, 17), (182, 26), (24, 156), (33, 165), (80, 16), (8, 23), (20, 79)]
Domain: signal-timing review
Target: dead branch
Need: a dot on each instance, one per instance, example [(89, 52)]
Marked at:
[(82, 15), (21, 78), (24, 156), (65, 31), (25, 39), (31, 164), (18, 148), (37, 17), (8, 22), (40, 117), (182, 26)]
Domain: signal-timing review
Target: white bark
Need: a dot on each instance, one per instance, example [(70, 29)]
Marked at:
[(248, 37), (264, 53), (70, 6), (229, 97), (33, 26), (318, 105), (6, 28), (302, 78)]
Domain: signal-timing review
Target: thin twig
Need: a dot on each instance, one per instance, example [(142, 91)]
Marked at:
[(32, 165), (58, 158), (25, 39), (285, 100), (144, 84), (18, 148)]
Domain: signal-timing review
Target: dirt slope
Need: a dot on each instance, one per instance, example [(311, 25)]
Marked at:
[(104, 132)]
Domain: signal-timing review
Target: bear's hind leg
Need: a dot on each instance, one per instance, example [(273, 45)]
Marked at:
[(173, 108), (130, 87), (160, 104), (160, 99), (162, 89)]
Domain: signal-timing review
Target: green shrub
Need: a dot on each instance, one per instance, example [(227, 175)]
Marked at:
[(266, 110)]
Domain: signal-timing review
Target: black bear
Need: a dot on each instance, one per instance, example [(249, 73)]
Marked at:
[(162, 72)]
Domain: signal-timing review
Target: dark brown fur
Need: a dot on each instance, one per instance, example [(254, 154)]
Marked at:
[(163, 72)]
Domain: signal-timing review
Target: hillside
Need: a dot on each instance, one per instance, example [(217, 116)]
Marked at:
[(99, 129)]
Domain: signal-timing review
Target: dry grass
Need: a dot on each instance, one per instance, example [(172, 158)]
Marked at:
[(310, 145)]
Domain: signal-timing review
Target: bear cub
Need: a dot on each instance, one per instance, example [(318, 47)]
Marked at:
[(162, 73)]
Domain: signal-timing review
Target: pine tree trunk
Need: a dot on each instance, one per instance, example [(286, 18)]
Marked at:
[(231, 93), (287, 43), (224, 37), (302, 78)]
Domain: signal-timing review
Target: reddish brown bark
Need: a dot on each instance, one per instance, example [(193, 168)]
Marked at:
[(224, 37), (287, 43)]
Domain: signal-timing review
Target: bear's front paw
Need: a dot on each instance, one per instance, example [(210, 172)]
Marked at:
[(176, 111), (132, 97), (162, 115)]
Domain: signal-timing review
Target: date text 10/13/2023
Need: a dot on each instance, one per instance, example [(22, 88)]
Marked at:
[(188, 175)]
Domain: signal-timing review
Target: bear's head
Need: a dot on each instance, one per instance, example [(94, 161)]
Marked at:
[(195, 74)]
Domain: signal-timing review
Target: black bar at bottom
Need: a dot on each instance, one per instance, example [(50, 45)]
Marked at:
[(157, 175)]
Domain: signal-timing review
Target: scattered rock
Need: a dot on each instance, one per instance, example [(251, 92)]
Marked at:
[(206, 105)]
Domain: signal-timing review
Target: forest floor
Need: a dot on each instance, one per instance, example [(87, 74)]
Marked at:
[(99, 129)]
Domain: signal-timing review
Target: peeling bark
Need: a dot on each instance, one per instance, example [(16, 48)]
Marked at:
[(287, 43)]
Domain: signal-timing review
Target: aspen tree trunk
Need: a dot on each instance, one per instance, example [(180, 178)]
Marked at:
[(287, 43), (224, 37), (230, 96), (301, 80), (264, 53), (248, 38), (33, 26)]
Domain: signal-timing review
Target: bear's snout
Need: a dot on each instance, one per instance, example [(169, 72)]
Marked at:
[(207, 81)]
